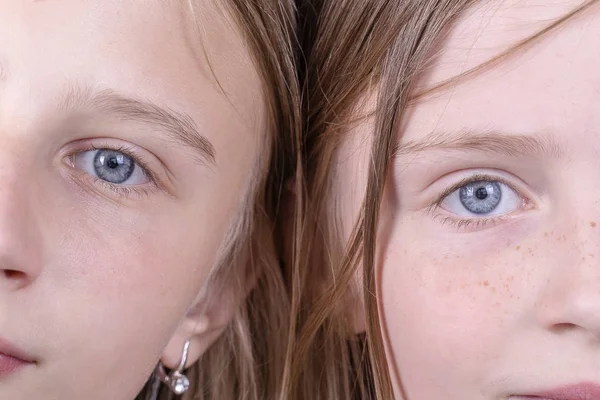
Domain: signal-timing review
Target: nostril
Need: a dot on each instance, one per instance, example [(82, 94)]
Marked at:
[(13, 274), (563, 327)]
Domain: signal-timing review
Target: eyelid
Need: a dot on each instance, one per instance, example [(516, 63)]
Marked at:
[(471, 179), (478, 174), (475, 222), (145, 159)]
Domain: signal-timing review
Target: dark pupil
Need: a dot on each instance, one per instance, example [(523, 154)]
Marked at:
[(112, 163), (481, 193), (113, 166)]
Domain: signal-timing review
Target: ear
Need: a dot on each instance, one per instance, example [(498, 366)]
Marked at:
[(198, 331), (204, 323)]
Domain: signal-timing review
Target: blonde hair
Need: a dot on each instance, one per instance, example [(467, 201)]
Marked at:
[(351, 47), (247, 361)]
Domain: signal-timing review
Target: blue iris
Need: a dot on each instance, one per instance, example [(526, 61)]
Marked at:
[(480, 197), (113, 166)]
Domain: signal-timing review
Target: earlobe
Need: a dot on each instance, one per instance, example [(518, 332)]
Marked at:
[(204, 322), (176, 380), (201, 334)]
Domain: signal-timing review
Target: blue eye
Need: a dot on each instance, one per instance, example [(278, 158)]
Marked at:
[(111, 166), (482, 198)]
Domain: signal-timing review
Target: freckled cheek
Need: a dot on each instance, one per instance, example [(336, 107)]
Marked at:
[(462, 303)]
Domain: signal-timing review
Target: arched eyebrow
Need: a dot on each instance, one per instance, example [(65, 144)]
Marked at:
[(494, 142), (179, 126)]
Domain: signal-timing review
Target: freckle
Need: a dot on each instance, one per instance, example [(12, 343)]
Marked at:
[(582, 258), (486, 283), (552, 233), (593, 224), (546, 234), (511, 278), (591, 255), (518, 248)]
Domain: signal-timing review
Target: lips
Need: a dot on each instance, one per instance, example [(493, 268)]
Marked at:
[(581, 391), (12, 358)]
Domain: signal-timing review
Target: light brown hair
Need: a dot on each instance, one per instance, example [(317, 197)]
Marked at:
[(247, 361), (353, 47)]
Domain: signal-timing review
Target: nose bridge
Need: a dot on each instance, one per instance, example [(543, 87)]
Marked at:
[(571, 295), (20, 239)]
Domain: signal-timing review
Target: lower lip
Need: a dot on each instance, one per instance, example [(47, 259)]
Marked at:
[(576, 392), (9, 365), (529, 398)]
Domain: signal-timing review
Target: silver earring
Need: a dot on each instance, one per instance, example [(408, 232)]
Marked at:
[(176, 380)]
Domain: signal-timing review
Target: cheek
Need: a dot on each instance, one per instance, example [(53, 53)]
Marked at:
[(115, 285), (450, 300)]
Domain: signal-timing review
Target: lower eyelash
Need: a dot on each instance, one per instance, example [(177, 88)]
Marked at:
[(124, 190), (464, 223)]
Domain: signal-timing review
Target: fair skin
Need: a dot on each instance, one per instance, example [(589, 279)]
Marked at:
[(104, 268), (487, 297)]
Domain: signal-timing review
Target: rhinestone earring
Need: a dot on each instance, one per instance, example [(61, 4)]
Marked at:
[(176, 380)]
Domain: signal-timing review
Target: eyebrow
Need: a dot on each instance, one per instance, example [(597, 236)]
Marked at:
[(493, 142), (179, 126)]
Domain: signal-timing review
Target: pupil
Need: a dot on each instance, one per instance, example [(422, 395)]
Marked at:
[(481, 193), (112, 163)]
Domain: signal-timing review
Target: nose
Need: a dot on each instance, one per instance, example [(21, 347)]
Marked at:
[(20, 238), (570, 300)]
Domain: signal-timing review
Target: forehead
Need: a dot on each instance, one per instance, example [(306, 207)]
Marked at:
[(158, 50), (544, 88)]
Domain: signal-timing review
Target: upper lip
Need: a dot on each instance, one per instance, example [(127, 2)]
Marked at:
[(8, 349), (580, 391)]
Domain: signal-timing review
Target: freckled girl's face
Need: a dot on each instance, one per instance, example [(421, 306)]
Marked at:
[(122, 165), (489, 249)]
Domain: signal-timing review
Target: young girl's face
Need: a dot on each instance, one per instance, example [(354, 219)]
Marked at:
[(489, 248), (122, 166)]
